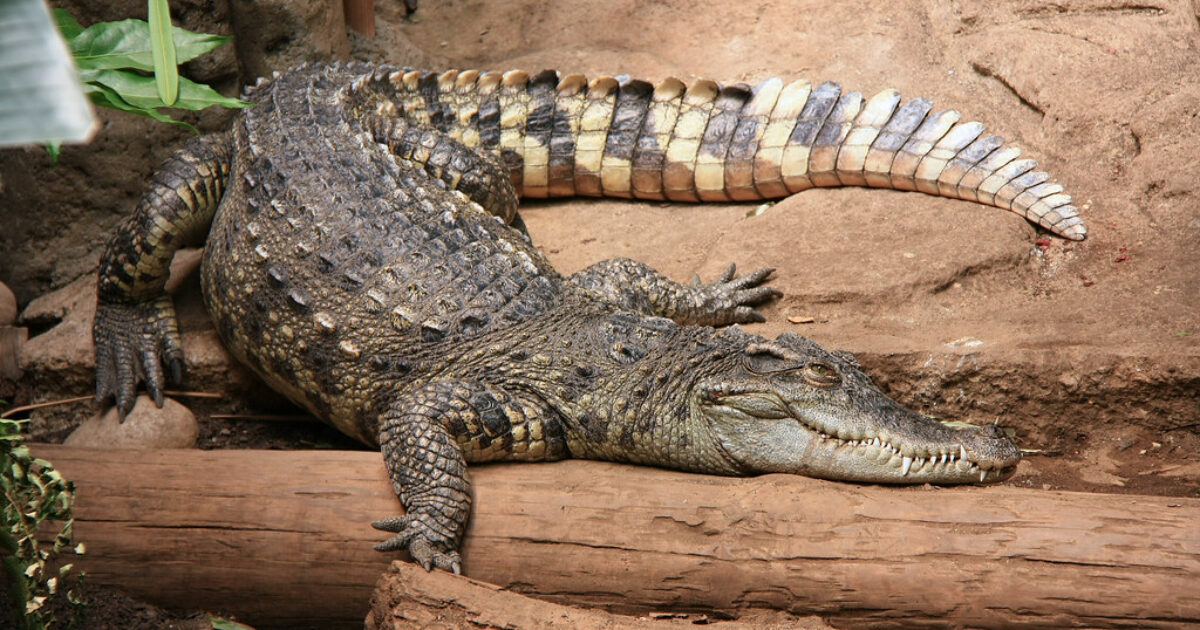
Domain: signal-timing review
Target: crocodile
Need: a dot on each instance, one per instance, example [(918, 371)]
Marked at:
[(364, 256)]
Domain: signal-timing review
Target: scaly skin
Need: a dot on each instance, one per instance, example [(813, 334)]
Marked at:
[(359, 259), (707, 142)]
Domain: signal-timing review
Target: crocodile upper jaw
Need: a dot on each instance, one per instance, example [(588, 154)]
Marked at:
[(805, 444)]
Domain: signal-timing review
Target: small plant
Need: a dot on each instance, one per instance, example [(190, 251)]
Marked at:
[(117, 65), (221, 623), (34, 493)]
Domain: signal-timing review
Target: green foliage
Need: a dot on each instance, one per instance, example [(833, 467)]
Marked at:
[(117, 64), (166, 68), (34, 493), (221, 623)]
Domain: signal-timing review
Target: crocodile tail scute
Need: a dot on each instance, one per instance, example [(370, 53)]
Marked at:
[(623, 137)]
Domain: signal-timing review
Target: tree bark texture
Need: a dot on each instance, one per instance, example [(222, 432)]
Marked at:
[(409, 598), (283, 539)]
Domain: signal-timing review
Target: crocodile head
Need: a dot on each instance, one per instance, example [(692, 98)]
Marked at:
[(792, 406)]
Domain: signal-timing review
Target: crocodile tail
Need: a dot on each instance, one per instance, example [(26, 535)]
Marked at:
[(622, 137)]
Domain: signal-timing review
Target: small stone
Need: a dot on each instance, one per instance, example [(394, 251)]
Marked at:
[(146, 426), (183, 265), (800, 319), (8, 306)]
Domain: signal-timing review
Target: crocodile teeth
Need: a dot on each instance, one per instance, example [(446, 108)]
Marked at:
[(962, 452), (908, 461), (982, 475), (943, 459)]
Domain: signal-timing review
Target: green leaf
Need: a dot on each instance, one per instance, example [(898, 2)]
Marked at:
[(141, 91), (126, 44), (66, 23), (162, 47), (107, 97)]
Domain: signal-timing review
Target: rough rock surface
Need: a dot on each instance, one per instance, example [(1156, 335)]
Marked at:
[(8, 306), (146, 426)]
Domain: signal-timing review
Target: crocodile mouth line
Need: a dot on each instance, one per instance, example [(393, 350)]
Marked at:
[(944, 462), (887, 455)]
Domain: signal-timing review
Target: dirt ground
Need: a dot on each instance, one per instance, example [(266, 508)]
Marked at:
[(1089, 351)]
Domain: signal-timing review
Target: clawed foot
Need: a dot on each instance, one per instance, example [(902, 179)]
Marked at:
[(133, 344), (730, 299), (413, 536)]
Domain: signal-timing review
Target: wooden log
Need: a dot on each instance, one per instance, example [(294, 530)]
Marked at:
[(410, 598), (282, 538)]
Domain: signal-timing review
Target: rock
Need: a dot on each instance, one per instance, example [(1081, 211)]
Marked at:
[(11, 340), (184, 265), (66, 315), (146, 426), (8, 306)]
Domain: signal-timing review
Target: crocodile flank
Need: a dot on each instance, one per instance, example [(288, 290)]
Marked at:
[(364, 256)]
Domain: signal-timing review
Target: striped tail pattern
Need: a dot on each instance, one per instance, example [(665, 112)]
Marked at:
[(622, 137)]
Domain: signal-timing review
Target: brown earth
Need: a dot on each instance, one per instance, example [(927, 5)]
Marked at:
[(1089, 351)]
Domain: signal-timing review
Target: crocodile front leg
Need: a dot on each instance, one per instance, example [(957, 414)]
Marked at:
[(135, 329), (427, 437), (634, 286)]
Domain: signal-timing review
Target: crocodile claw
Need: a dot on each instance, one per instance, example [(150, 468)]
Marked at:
[(730, 299), (133, 344), (425, 552)]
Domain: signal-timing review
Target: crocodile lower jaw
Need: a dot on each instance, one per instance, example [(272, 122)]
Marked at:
[(899, 468)]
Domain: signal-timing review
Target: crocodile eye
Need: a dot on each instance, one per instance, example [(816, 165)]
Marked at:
[(820, 374)]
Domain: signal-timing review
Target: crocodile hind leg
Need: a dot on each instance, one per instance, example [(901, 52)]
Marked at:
[(637, 287), (135, 328), (477, 174), (427, 437)]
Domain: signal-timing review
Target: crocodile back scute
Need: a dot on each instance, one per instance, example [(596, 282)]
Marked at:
[(329, 257)]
